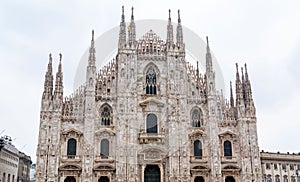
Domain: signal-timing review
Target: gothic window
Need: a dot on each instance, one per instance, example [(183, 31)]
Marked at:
[(197, 148), (71, 149), (227, 148), (151, 123), (151, 81), (285, 179), (196, 118), (106, 115), (298, 166), (277, 179), (104, 148)]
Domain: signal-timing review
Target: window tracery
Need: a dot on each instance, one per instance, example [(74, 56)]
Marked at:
[(106, 115), (151, 81)]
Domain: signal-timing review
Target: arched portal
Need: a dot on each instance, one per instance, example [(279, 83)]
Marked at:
[(70, 179), (103, 179), (229, 179), (199, 179), (152, 173)]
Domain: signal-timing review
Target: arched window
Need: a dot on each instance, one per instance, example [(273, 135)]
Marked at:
[(269, 179), (277, 178), (103, 179), (285, 179), (151, 81), (293, 179), (106, 115), (70, 179), (229, 179), (199, 179), (196, 118), (104, 148), (151, 123), (227, 148), (197, 148), (71, 149)]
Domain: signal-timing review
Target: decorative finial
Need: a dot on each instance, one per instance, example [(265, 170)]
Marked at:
[(169, 14), (231, 96), (237, 67), (132, 17), (123, 16), (92, 35), (50, 57), (207, 42), (245, 68), (179, 20), (60, 57)]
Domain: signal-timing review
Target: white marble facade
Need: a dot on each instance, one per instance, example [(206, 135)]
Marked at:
[(148, 116)]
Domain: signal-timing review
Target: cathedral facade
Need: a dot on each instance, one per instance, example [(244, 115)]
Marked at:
[(148, 116)]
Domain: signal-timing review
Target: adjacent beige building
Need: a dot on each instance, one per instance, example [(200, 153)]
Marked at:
[(9, 160), (282, 167), (24, 167), (148, 116)]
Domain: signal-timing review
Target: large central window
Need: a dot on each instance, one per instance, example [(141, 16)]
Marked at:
[(151, 81), (227, 149), (151, 123), (71, 148)]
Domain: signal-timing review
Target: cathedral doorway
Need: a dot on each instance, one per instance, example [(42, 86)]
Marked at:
[(103, 179), (229, 179), (70, 179), (199, 179), (152, 173)]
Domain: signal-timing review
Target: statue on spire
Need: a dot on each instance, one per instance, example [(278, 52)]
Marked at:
[(170, 32), (179, 35)]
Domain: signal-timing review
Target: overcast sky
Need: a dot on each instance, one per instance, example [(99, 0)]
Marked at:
[(264, 34)]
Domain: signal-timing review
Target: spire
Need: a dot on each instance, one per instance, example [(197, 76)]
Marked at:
[(58, 92), (231, 96), (247, 79), (91, 67), (248, 92), (132, 17), (123, 16), (238, 86), (48, 84), (122, 33), (209, 70), (179, 34), (240, 97), (131, 30), (170, 31), (92, 52), (197, 69)]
